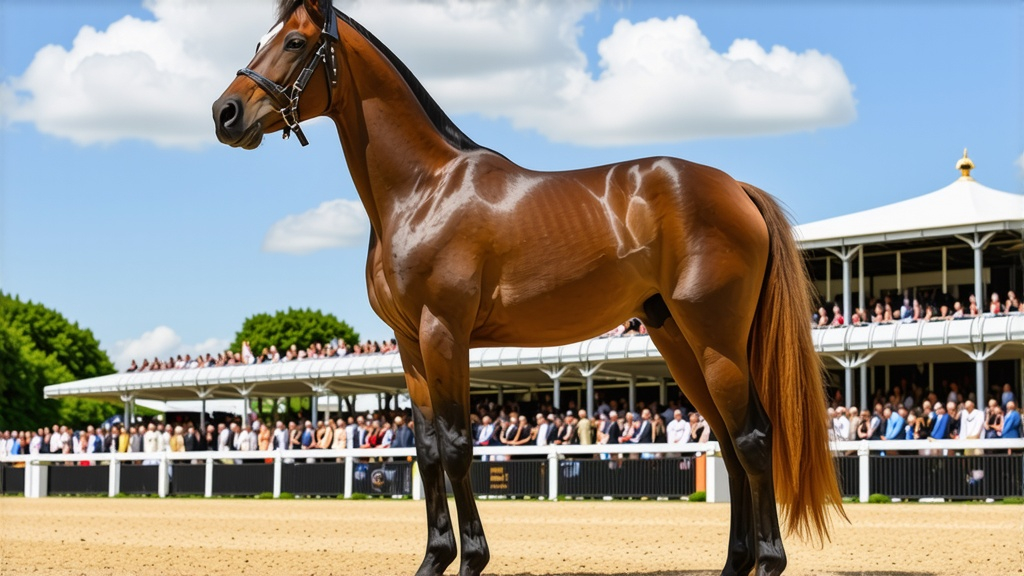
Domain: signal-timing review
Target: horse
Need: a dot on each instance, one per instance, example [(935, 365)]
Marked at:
[(468, 249)]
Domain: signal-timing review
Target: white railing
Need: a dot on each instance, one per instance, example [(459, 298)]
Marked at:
[(715, 481)]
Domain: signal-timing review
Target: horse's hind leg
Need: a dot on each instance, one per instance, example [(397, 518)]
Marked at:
[(446, 359), (687, 373), (718, 336)]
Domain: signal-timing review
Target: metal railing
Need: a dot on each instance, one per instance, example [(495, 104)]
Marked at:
[(913, 469)]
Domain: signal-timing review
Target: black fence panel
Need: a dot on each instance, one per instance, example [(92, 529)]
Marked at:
[(139, 479), (512, 478), (78, 479), (12, 480), (382, 478), (187, 479), (669, 477), (247, 479), (848, 471), (950, 477), (313, 479)]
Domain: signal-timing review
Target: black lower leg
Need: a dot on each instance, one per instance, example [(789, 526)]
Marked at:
[(741, 557), (441, 549), (754, 449), (457, 455)]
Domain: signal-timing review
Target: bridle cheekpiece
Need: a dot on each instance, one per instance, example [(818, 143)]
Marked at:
[(287, 99)]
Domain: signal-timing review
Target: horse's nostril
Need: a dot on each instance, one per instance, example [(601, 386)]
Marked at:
[(229, 113)]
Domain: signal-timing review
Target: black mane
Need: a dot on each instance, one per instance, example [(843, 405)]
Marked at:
[(444, 125)]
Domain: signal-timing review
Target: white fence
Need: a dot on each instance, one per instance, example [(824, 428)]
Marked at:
[(867, 466)]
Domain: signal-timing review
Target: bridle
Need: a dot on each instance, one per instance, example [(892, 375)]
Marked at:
[(287, 99)]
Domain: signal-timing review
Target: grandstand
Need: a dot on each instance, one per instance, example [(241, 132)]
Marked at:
[(960, 240)]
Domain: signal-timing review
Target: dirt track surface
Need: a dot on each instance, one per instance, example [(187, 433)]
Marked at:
[(97, 536)]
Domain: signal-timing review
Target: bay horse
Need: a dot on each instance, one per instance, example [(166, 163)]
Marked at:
[(467, 249)]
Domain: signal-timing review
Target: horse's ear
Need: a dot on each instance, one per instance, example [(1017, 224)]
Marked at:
[(317, 10)]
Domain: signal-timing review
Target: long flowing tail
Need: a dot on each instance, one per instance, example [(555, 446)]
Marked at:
[(788, 376)]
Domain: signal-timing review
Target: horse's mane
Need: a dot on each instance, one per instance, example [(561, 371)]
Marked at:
[(444, 125)]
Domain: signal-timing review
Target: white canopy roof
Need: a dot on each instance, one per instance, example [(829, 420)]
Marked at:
[(963, 207)]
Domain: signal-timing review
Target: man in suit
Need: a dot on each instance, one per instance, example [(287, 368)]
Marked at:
[(1011, 422), (612, 430), (644, 432), (542, 430)]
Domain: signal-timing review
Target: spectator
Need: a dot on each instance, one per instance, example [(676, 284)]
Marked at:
[(340, 436), (1012, 421), (644, 430), (855, 420), (306, 442), (993, 419), (972, 423), (678, 430), (660, 434), (280, 436), (403, 436), (699, 431), (1007, 396), (584, 430), (841, 425), (150, 443)]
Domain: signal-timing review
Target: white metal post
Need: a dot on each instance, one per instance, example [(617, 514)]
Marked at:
[(277, 474), (114, 485), (208, 482), (553, 470), (349, 469), (863, 468), (163, 478)]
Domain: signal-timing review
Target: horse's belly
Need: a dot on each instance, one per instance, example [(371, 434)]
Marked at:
[(570, 312)]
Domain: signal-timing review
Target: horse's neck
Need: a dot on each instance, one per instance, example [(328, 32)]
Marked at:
[(390, 144)]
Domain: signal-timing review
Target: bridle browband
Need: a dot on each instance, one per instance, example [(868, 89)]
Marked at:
[(287, 99)]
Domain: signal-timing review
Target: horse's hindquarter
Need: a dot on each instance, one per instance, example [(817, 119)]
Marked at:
[(578, 252)]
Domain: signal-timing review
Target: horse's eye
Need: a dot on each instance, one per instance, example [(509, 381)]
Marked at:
[(296, 44)]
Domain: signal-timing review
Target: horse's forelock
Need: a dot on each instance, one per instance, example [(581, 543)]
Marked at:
[(286, 7)]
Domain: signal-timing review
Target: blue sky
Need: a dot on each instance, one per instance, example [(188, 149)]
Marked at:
[(123, 212)]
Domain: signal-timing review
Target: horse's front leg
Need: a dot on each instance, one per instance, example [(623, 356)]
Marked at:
[(441, 549), (446, 359)]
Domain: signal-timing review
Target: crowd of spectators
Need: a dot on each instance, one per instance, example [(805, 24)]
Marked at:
[(334, 349), (378, 430), (910, 414), (907, 412), (926, 307)]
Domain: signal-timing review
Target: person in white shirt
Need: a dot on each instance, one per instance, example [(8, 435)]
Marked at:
[(841, 424), (542, 430), (150, 443), (36, 443), (972, 423), (678, 430), (56, 447)]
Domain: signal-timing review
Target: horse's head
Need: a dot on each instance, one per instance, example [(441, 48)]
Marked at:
[(264, 97)]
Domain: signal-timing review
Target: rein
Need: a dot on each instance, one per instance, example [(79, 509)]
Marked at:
[(287, 99)]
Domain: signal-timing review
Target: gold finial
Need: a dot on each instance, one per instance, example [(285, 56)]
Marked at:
[(964, 165)]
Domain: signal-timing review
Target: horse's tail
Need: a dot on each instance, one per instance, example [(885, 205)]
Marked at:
[(788, 376)]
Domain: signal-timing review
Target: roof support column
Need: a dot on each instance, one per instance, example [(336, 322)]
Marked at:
[(127, 399), (945, 271), (977, 242), (662, 393), (587, 371), (849, 361), (828, 278), (899, 274), (864, 385), (846, 254), (632, 393), (556, 378), (861, 303), (980, 353)]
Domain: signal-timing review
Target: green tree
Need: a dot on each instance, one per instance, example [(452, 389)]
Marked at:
[(301, 327), (39, 347)]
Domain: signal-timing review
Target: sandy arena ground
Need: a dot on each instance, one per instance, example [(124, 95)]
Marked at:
[(96, 536)]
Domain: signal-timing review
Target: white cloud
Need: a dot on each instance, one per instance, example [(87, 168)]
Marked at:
[(333, 224), (161, 342), (152, 80), (659, 80)]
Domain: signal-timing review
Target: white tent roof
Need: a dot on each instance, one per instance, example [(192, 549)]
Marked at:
[(963, 207)]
